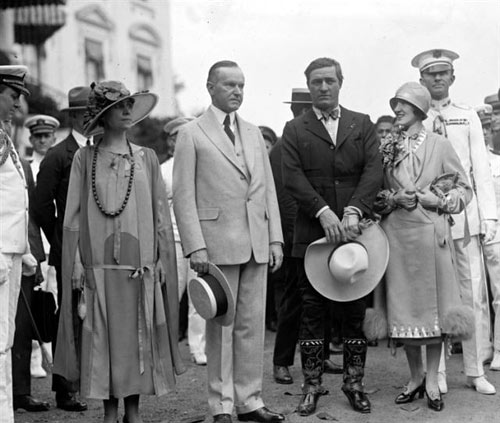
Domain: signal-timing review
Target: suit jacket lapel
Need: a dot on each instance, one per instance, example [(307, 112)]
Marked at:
[(312, 124), (210, 126), (249, 142), (346, 125)]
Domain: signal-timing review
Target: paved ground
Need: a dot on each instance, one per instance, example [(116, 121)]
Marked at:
[(385, 376)]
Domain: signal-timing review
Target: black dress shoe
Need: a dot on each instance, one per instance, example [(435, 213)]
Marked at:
[(28, 403), (309, 400), (332, 368), (223, 418), (358, 400), (282, 375), (263, 415), (68, 402), (436, 404), (409, 396)]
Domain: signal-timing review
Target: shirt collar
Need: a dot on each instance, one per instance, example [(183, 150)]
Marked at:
[(220, 115), (319, 113), (440, 104), (79, 138)]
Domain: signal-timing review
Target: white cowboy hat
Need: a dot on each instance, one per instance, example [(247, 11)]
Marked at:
[(348, 271), (212, 296)]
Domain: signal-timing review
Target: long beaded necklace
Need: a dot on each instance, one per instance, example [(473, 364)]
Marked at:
[(129, 187)]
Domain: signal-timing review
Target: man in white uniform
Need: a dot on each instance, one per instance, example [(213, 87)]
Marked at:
[(461, 125), (15, 257)]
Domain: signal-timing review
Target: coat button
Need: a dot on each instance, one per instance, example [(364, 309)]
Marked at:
[(242, 178), (337, 182), (332, 147)]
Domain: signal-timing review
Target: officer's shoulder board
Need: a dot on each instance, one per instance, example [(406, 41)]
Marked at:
[(462, 106)]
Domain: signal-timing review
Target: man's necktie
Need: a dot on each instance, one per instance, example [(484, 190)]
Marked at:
[(334, 114), (227, 129)]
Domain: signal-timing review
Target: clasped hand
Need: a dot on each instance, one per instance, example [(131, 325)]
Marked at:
[(427, 198), (337, 231), (405, 198)]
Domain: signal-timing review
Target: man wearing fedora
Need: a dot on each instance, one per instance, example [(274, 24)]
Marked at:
[(461, 125), (49, 204), (332, 167), (227, 214), (15, 256)]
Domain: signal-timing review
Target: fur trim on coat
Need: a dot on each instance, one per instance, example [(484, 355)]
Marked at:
[(375, 324), (458, 323)]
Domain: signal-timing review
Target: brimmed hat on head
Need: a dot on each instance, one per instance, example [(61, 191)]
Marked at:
[(493, 101), (436, 60), (348, 271), (173, 126), (485, 112), (13, 76), (415, 94), (77, 99), (300, 95), (212, 296), (40, 124), (106, 94)]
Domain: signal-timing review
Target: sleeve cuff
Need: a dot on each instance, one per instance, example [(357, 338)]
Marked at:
[(321, 210)]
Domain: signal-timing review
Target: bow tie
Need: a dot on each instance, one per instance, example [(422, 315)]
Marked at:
[(334, 114)]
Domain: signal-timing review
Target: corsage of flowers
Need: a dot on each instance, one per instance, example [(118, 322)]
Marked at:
[(392, 149), (103, 94)]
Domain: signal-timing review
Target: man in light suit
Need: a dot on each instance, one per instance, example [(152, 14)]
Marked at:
[(227, 214), (332, 168)]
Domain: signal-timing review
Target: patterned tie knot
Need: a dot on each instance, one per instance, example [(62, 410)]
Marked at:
[(334, 114)]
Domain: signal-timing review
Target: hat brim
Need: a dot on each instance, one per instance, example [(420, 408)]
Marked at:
[(75, 108), (143, 105), (297, 102), (376, 244), (227, 318)]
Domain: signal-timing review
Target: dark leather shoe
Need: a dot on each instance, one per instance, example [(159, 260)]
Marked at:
[(435, 404), (333, 368), (309, 400), (263, 415), (68, 402), (358, 400), (282, 375), (222, 418), (28, 403)]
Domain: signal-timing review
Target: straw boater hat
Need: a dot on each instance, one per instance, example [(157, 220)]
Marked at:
[(173, 126), (106, 94), (212, 296), (300, 95), (348, 271)]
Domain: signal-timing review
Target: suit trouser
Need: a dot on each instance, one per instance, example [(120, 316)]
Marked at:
[(315, 312), (21, 350), (59, 384), (474, 294), (289, 311), (492, 261), (235, 353), (9, 294), (196, 323)]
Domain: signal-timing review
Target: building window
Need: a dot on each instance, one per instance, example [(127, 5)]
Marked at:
[(144, 72), (94, 61)]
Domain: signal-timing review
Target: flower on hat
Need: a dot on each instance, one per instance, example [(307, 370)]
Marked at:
[(102, 95)]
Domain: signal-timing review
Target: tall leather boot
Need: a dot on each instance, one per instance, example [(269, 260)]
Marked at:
[(354, 370), (311, 354)]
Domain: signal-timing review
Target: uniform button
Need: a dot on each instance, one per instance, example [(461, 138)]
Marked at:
[(242, 178)]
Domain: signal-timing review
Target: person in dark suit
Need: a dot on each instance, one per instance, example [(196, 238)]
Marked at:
[(49, 204), (332, 168), (21, 349)]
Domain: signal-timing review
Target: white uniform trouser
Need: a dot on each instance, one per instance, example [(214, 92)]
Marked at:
[(196, 323), (473, 292), (492, 261), (9, 293)]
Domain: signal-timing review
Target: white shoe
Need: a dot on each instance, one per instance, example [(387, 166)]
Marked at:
[(36, 368), (199, 358), (443, 386), (481, 385), (495, 364), (38, 372)]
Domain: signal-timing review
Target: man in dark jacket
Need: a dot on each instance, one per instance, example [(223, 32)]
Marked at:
[(332, 168), (49, 203)]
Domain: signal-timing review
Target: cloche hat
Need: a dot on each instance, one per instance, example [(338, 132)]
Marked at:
[(415, 94)]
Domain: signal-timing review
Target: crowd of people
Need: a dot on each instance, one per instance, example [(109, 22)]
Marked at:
[(352, 231)]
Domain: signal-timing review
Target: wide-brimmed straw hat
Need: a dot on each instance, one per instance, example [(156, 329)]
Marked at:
[(106, 94), (351, 270), (212, 296)]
